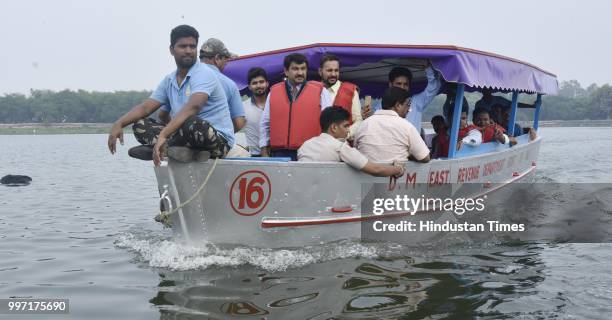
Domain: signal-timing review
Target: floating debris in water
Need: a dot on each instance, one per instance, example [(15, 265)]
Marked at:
[(15, 180)]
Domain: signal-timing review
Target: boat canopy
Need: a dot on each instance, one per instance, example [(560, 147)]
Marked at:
[(368, 65)]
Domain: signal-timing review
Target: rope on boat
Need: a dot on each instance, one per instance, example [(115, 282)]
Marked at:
[(164, 216)]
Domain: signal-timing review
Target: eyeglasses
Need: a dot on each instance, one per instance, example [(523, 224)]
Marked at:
[(408, 103)]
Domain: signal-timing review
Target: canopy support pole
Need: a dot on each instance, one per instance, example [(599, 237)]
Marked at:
[(512, 119), (536, 116), (452, 148)]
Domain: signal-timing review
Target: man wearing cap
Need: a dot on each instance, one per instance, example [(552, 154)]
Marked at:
[(200, 124), (215, 55)]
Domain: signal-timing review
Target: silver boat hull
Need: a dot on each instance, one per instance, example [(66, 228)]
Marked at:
[(294, 204)]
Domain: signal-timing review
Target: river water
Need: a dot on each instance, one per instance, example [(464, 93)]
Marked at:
[(84, 230)]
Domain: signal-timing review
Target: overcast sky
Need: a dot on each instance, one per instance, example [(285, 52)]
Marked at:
[(123, 45)]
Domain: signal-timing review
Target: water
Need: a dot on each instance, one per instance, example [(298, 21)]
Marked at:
[(83, 230)]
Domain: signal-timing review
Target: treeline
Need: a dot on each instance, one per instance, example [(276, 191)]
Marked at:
[(43, 106), (576, 103), (573, 102)]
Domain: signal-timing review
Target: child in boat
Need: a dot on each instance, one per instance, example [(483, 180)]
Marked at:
[(440, 142), (468, 134), (490, 130)]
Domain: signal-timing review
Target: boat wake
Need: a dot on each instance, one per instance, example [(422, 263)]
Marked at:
[(551, 212), (167, 252)]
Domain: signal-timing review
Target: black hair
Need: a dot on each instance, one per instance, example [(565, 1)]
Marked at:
[(331, 115), (464, 107), (478, 111), (437, 118), (296, 58), (329, 57), (256, 72), (183, 31), (497, 105), (399, 72), (394, 95)]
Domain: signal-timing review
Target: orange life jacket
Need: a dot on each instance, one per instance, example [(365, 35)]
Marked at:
[(292, 123), (464, 132), (344, 97), (488, 132)]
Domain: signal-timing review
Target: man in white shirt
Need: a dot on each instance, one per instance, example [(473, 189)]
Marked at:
[(342, 93), (257, 78), (331, 145), (386, 136)]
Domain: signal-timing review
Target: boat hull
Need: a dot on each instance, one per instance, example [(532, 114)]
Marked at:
[(294, 204)]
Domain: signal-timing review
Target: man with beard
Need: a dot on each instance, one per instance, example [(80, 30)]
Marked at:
[(343, 94), (257, 79), (200, 126), (292, 110)]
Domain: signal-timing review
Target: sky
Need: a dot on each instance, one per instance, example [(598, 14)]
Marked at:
[(123, 45)]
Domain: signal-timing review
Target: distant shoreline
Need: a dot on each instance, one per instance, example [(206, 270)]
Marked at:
[(53, 128), (97, 128)]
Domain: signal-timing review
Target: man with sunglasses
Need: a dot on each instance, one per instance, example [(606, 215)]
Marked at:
[(386, 136)]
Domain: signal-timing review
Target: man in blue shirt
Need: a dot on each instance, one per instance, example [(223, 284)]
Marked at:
[(401, 77), (197, 103), (215, 55)]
